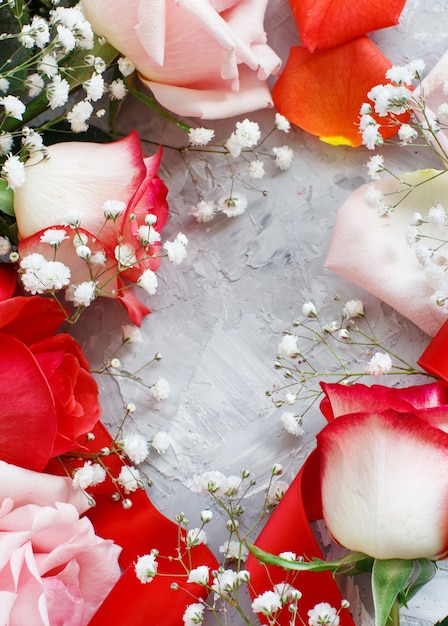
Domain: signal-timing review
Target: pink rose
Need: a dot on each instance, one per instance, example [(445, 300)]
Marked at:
[(371, 250), (53, 568), (201, 58), (384, 472), (78, 179)]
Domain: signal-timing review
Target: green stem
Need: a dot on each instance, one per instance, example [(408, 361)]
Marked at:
[(394, 615)]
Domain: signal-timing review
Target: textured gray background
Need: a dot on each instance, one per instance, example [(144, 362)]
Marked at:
[(218, 317)]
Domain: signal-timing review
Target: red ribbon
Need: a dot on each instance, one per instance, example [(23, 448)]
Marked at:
[(435, 358), (289, 530), (138, 530)]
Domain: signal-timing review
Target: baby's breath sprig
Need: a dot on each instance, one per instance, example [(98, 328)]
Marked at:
[(245, 152), (344, 350)]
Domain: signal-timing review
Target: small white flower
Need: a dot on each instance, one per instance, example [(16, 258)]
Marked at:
[(48, 66), (161, 442), (437, 216), (379, 364), (135, 448), (5, 246), (206, 516), (375, 166), (84, 293), (290, 398), (13, 171), (284, 156), (113, 208), (276, 492), (6, 141), (200, 136), (211, 482), (248, 133), (33, 261), (354, 308), (281, 123), (4, 85), (406, 133), (57, 92), (288, 556), (233, 145), (366, 120), (125, 66), (374, 197), (199, 575), (146, 567), (54, 275), (94, 87), (400, 74), (323, 614), (129, 478), (89, 475), (292, 423), (225, 582), (177, 249), (371, 136), (54, 237), (233, 205), (148, 281), (309, 309), (234, 551), (78, 116), (14, 107), (442, 110), (84, 252), (203, 211), (288, 346), (148, 235), (193, 615), (160, 390), (416, 67), (125, 255), (66, 38), (267, 603), (98, 258), (256, 169), (80, 239), (35, 84), (117, 89), (131, 334), (196, 537)]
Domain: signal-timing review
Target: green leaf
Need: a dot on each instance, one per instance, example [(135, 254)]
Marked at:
[(444, 622), (424, 571), (389, 579), (6, 199), (353, 563)]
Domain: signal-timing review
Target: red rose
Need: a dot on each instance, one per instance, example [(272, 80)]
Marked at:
[(48, 398)]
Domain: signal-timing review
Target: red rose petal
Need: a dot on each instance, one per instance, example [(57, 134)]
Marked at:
[(8, 281), (27, 411), (326, 23), (323, 92), (30, 319)]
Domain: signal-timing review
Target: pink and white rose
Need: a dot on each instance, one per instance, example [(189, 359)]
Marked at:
[(384, 473), (79, 179), (54, 570), (200, 58)]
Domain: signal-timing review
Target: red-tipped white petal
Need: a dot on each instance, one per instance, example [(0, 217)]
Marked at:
[(385, 485), (372, 252)]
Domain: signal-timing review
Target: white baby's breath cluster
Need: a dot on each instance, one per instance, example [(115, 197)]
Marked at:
[(247, 145), (58, 54), (343, 349), (226, 588), (399, 106), (427, 235), (39, 275)]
